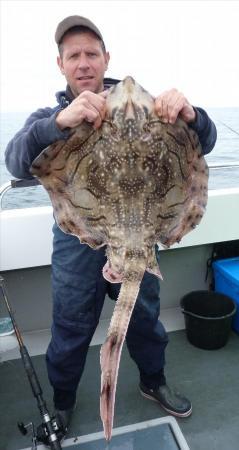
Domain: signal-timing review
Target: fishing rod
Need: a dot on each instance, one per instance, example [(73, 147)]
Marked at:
[(51, 428), (229, 128)]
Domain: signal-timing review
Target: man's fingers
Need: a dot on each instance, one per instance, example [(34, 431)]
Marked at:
[(100, 117), (91, 99), (169, 104), (94, 115), (104, 94), (94, 107), (174, 109), (97, 122), (159, 104)]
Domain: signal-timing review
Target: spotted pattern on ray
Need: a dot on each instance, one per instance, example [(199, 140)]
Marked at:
[(132, 183)]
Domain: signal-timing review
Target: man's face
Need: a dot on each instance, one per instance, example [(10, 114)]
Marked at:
[(83, 62)]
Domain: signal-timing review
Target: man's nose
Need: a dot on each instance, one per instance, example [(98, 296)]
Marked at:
[(83, 62)]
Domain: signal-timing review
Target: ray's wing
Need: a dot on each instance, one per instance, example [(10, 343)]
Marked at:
[(65, 170), (181, 182)]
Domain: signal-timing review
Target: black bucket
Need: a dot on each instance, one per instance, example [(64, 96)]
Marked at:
[(208, 317)]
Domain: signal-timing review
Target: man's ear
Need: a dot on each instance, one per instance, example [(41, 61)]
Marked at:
[(60, 65), (107, 59)]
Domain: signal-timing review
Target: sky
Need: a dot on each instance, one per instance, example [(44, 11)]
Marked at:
[(188, 45)]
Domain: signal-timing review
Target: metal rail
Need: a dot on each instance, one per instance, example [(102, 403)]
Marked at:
[(224, 166), (14, 184)]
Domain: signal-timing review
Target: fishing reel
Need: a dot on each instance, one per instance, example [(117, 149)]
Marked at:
[(41, 434), (24, 430), (52, 430)]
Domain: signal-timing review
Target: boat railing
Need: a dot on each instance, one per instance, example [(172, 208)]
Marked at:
[(224, 166), (18, 183)]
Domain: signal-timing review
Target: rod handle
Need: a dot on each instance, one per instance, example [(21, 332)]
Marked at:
[(32, 376)]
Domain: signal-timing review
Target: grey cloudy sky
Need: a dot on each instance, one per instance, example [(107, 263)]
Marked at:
[(190, 45)]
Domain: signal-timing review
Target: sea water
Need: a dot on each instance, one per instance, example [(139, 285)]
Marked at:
[(226, 152)]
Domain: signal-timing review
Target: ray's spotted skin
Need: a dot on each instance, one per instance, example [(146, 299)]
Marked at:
[(134, 182)]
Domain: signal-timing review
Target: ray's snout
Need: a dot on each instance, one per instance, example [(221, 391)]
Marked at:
[(128, 83), (130, 110)]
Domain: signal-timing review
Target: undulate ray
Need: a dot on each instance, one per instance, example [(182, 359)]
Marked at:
[(131, 184)]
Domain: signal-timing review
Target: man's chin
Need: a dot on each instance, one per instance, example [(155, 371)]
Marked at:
[(86, 85)]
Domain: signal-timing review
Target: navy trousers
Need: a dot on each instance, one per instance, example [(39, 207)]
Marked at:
[(79, 290)]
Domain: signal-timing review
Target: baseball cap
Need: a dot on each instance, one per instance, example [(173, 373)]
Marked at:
[(73, 21)]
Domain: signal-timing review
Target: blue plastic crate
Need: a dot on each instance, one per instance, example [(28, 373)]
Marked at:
[(226, 273)]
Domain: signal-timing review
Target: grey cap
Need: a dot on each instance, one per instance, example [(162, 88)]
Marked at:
[(73, 21)]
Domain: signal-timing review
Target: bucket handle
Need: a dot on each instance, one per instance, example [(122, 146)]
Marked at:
[(188, 313)]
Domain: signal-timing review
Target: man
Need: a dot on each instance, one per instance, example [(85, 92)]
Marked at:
[(79, 288)]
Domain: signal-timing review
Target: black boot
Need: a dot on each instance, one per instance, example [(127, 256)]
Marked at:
[(63, 419), (169, 400)]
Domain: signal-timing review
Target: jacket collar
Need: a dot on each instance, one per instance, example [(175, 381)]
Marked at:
[(64, 98)]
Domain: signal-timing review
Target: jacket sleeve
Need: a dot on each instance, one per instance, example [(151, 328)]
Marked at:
[(206, 130), (39, 131)]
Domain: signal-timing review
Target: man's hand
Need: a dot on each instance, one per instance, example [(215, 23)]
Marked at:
[(87, 106), (172, 103)]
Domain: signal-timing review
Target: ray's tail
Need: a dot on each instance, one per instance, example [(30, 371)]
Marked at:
[(112, 348)]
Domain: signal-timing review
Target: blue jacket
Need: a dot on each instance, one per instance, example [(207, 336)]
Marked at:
[(40, 130)]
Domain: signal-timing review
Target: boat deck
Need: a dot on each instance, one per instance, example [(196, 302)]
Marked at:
[(208, 378)]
